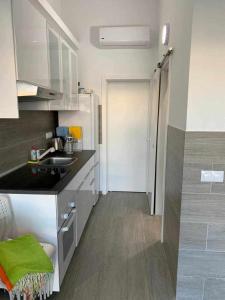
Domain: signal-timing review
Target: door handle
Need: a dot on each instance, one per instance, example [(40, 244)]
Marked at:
[(67, 227)]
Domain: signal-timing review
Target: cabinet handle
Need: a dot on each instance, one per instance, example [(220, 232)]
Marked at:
[(72, 204), (65, 216), (65, 229), (79, 187), (86, 176), (92, 168), (93, 180)]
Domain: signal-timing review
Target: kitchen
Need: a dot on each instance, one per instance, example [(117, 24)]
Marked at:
[(103, 164), (50, 174)]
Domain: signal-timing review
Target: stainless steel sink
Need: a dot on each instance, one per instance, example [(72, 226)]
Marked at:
[(57, 161)]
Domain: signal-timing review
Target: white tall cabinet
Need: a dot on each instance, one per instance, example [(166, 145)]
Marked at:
[(8, 92)]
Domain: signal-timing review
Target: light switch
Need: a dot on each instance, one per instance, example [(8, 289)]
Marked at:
[(218, 176), (212, 176), (48, 135), (206, 176)]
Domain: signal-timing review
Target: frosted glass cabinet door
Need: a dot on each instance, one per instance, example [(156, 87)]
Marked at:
[(66, 75), (54, 60), (54, 53), (31, 43), (74, 101)]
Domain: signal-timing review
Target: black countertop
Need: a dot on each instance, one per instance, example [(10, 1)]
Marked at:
[(34, 179)]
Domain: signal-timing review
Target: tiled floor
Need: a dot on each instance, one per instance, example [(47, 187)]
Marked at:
[(120, 256)]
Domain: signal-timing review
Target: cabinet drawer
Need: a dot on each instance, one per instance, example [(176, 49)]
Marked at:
[(79, 177)]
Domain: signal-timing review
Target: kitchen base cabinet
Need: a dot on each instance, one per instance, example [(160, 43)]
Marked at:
[(57, 219), (84, 206), (84, 195)]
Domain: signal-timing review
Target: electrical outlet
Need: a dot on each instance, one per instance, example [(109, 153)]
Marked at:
[(49, 135)]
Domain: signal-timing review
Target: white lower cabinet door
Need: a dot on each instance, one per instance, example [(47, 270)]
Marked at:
[(84, 205)]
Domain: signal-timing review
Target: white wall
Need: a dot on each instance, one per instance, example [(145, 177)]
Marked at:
[(179, 14), (206, 103), (81, 16)]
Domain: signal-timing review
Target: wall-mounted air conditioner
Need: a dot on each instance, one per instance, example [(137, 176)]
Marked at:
[(128, 36)]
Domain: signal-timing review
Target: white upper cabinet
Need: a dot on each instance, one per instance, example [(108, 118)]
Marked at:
[(55, 67), (66, 74), (69, 80), (31, 43), (8, 91)]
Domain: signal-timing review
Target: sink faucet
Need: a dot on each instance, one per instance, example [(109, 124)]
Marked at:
[(40, 156)]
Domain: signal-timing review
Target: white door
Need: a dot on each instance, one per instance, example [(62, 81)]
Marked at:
[(162, 141), (127, 135), (153, 120)]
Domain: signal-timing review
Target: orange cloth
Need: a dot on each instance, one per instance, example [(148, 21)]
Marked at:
[(5, 279)]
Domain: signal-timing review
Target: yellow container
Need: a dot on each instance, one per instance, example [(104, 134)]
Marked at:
[(76, 132)]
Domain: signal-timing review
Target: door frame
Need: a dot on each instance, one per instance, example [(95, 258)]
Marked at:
[(106, 79)]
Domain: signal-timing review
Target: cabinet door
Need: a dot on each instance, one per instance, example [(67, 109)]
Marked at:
[(84, 205), (8, 92), (74, 100), (54, 54), (31, 43), (66, 75)]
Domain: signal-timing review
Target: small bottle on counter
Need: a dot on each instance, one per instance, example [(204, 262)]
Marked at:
[(33, 153), (68, 148)]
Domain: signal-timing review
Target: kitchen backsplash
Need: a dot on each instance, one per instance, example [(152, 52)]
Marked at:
[(18, 135)]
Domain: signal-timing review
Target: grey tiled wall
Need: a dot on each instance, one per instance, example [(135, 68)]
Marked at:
[(201, 267), (18, 135), (173, 195)]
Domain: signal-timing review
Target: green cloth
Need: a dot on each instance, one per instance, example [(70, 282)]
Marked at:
[(22, 256)]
